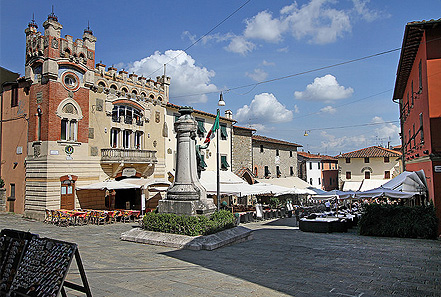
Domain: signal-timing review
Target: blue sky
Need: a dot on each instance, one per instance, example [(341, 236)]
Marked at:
[(342, 108)]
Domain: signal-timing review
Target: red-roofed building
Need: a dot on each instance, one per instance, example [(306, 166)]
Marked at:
[(375, 162), (418, 93), (320, 171)]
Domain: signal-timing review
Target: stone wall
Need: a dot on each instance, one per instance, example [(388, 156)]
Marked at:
[(242, 153), (268, 157)]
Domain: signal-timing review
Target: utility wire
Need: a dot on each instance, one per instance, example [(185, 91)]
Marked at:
[(254, 85), (343, 127), (200, 38), (296, 74)]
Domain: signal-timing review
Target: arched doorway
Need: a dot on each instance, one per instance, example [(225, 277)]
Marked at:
[(67, 199)]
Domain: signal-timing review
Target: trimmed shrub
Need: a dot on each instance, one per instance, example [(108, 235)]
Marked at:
[(399, 221), (189, 225)]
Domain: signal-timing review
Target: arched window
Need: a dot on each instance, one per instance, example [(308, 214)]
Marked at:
[(102, 84), (124, 89), (127, 114), (160, 98), (70, 113), (114, 87), (134, 92)]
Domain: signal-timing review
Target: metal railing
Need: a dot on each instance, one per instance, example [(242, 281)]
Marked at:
[(128, 155)]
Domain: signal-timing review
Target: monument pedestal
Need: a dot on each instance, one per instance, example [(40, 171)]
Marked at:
[(189, 207)]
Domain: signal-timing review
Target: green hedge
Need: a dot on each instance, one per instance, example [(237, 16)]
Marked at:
[(399, 221), (189, 225)]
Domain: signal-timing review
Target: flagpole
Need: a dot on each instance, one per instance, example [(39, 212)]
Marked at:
[(218, 167)]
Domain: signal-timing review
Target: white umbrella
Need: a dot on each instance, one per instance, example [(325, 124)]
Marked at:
[(335, 194), (383, 192), (109, 185)]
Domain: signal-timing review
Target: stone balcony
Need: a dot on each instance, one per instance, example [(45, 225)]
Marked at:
[(134, 156)]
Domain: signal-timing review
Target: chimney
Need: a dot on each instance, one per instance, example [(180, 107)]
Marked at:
[(229, 114)]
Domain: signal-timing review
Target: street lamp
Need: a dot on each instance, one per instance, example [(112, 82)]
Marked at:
[(221, 102)]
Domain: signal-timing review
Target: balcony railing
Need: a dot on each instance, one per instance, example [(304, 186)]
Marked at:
[(113, 155)]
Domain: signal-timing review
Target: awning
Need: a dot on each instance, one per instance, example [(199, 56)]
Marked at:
[(109, 185), (351, 185), (128, 183), (369, 184), (413, 182), (293, 183), (334, 194), (382, 192), (231, 184), (147, 182)]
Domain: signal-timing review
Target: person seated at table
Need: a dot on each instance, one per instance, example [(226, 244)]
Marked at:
[(328, 205)]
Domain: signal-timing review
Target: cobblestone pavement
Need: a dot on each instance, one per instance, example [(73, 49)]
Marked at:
[(280, 261)]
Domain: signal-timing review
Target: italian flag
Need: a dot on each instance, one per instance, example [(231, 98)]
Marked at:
[(212, 133)]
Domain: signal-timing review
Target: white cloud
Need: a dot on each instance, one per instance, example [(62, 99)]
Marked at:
[(239, 44), (341, 144), (263, 26), (257, 75), (266, 63), (264, 108), (316, 22), (328, 109), (387, 131), (283, 49), (186, 76), (325, 89), (366, 14), (296, 109)]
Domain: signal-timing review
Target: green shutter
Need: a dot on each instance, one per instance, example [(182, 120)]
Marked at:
[(224, 163), (203, 164), (201, 128), (224, 133)]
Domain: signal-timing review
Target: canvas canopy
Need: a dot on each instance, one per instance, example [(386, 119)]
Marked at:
[(109, 185), (293, 183), (383, 192), (369, 184), (231, 184), (413, 182), (128, 183), (335, 194)]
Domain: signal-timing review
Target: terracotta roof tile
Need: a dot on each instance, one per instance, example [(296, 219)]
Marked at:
[(244, 128), (272, 140), (309, 155), (373, 151), (201, 112)]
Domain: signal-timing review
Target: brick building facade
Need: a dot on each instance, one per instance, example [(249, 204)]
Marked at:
[(77, 123)]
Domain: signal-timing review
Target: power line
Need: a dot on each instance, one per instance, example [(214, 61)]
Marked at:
[(296, 74), (200, 38), (254, 85), (343, 127)]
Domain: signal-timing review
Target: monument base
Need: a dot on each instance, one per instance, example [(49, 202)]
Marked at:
[(189, 207)]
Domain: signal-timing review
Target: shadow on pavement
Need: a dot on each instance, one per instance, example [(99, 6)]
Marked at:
[(318, 264)]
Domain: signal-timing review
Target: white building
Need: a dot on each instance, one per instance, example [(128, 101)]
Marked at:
[(310, 168), (368, 168), (205, 122)]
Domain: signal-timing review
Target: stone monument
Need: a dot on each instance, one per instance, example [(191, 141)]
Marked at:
[(186, 196)]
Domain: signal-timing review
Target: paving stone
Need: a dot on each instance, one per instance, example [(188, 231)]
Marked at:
[(280, 260)]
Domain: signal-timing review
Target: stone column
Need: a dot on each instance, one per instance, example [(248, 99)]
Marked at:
[(186, 196)]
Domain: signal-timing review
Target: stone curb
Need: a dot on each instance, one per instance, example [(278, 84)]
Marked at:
[(209, 242)]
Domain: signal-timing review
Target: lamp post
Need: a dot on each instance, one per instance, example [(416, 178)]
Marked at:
[(221, 102)]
